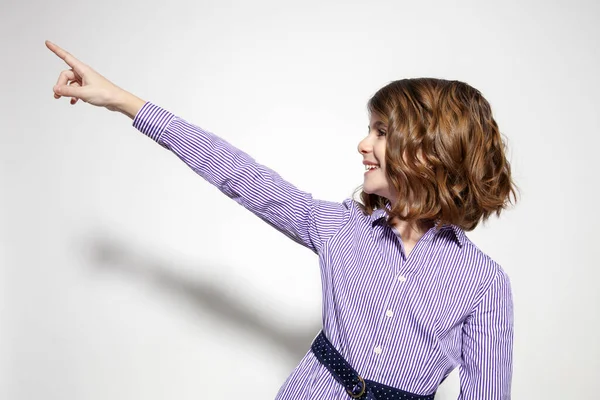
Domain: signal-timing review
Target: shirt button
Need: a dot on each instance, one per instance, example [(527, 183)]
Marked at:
[(401, 278), (377, 350), (389, 313)]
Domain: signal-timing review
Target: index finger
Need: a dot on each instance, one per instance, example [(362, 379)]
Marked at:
[(67, 57)]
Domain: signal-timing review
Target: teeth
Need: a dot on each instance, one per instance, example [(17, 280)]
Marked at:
[(370, 167)]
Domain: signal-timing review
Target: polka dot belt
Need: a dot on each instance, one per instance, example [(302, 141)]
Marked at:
[(355, 385)]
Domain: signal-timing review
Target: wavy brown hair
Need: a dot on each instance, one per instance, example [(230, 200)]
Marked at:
[(454, 169)]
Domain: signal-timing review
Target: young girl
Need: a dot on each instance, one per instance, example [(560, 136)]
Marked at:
[(407, 297)]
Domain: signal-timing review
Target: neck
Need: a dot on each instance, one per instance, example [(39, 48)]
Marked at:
[(410, 233)]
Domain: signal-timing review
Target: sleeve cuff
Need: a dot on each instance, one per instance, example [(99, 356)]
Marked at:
[(152, 120)]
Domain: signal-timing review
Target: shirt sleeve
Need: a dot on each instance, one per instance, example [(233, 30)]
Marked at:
[(259, 189), (487, 345)]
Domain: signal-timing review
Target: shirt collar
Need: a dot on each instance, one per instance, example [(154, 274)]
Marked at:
[(379, 215)]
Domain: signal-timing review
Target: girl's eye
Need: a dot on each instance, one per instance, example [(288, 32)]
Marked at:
[(380, 133)]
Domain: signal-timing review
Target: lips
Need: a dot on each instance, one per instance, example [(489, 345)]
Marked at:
[(370, 166)]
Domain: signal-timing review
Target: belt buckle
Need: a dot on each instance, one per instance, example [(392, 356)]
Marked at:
[(358, 390)]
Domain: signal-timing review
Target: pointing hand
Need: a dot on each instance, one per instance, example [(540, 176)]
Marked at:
[(82, 82)]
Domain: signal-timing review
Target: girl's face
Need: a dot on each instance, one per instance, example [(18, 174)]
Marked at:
[(372, 148)]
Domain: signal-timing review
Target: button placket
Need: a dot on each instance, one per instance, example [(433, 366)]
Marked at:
[(383, 325), (389, 312)]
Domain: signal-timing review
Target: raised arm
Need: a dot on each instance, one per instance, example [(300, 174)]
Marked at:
[(236, 174), (259, 189)]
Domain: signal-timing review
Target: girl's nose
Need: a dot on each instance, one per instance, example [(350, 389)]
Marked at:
[(364, 146)]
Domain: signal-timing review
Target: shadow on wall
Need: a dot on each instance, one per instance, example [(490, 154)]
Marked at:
[(207, 294), (210, 296)]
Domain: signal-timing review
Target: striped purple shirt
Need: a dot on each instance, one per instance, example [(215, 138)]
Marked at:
[(406, 322)]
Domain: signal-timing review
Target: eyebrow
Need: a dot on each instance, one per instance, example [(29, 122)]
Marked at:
[(376, 125)]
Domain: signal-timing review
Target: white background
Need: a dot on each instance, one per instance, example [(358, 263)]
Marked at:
[(126, 276)]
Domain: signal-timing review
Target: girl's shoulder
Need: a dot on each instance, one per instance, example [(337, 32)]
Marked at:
[(478, 266)]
